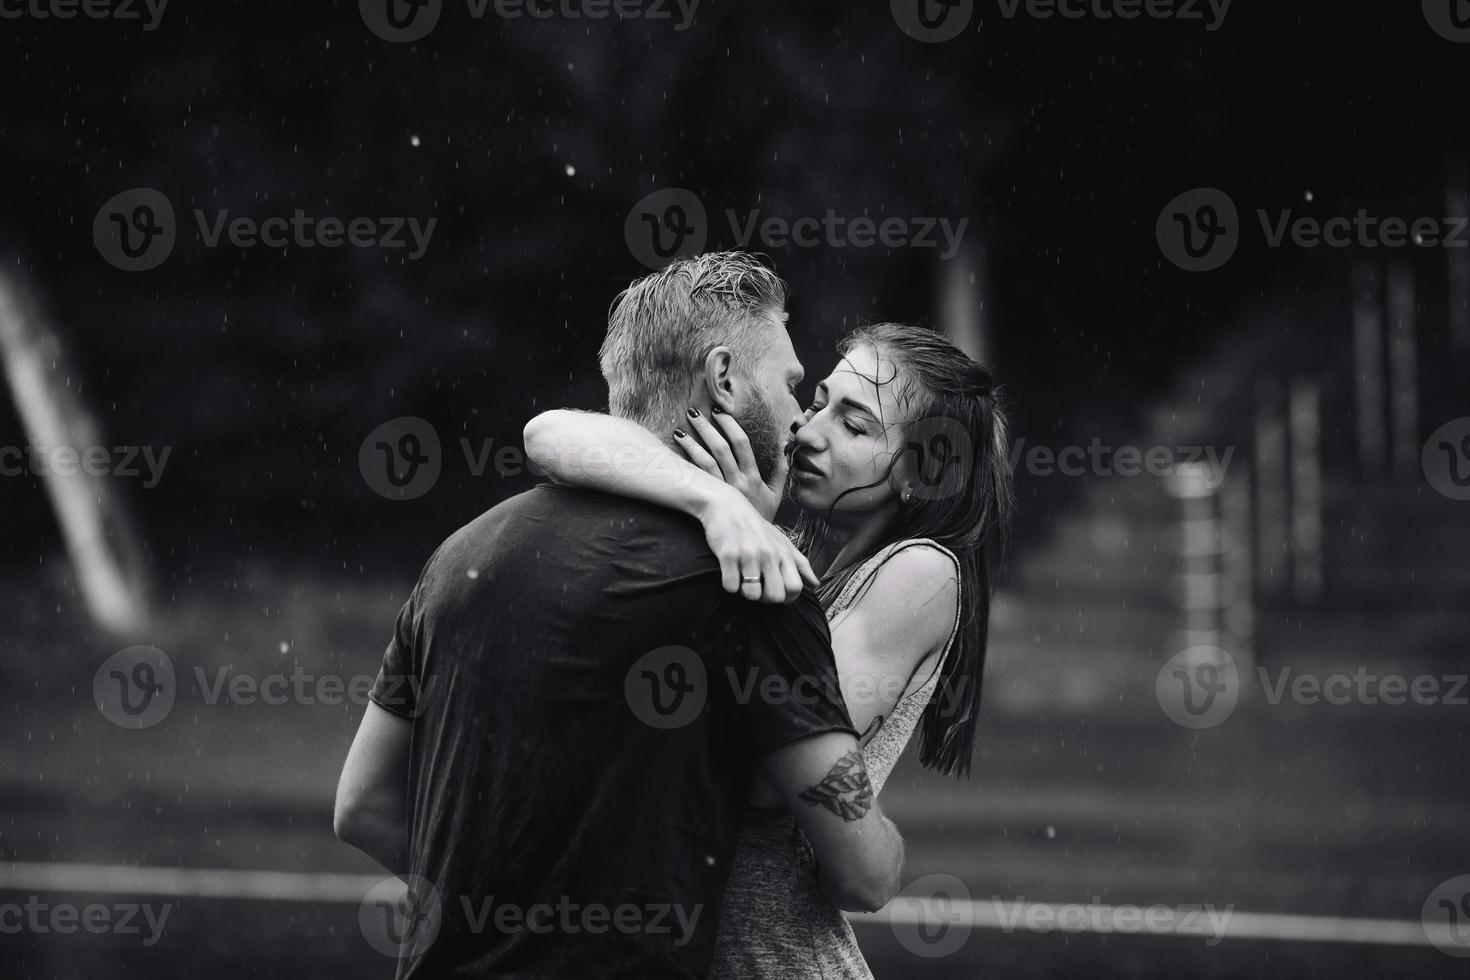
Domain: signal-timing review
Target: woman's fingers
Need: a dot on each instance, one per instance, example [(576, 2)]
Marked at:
[(804, 569), (697, 455), (792, 577), (774, 581), (777, 485), (729, 571), (739, 443), (716, 445), (751, 578)]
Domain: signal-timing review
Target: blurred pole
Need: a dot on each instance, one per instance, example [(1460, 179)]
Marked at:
[(1240, 606), (99, 538), (1306, 490), (1200, 590), (964, 291), (1368, 363), (1273, 505), (1457, 204), (1403, 369)]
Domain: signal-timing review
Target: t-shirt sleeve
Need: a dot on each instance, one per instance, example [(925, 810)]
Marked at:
[(785, 683), (395, 690)]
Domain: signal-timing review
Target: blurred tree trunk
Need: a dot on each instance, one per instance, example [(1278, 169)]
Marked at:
[(100, 540)]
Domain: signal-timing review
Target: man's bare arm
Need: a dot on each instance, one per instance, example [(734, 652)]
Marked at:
[(371, 811)]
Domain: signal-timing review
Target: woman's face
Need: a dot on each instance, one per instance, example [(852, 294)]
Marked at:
[(849, 438)]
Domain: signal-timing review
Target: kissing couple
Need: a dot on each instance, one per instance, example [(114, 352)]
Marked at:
[(626, 726)]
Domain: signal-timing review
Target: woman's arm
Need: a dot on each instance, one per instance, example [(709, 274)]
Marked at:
[(888, 642), (617, 456)]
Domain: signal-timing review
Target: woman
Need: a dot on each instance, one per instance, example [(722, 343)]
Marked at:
[(900, 473)]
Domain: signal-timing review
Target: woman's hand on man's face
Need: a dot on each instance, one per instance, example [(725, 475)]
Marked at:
[(721, 449)]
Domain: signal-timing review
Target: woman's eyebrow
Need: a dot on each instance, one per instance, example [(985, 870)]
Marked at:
[(859, 406), (822, 388)]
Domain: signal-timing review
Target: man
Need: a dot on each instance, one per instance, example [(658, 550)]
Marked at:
[(572, 706)]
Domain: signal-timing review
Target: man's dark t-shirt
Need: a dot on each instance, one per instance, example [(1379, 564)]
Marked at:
[(588, 706)]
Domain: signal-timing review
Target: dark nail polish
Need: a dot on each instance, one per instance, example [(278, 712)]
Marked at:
[(694, 413), (680, 434), (717, 410)]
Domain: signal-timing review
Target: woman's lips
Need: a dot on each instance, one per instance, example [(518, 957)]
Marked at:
[(804, 466)]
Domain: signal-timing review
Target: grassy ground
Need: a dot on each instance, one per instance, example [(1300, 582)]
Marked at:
[(1334, 813)]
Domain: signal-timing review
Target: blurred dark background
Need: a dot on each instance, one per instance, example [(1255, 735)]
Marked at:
[(1060, 140), (529, 142)]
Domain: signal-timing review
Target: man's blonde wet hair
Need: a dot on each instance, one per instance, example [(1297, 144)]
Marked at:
[(661, 328)]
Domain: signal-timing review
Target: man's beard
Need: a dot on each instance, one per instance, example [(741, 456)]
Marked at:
[(767, 439)]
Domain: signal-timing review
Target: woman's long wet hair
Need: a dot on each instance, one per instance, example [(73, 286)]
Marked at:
[(954, 431)]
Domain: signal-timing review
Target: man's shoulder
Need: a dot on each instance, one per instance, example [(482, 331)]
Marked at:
[(553, 518)]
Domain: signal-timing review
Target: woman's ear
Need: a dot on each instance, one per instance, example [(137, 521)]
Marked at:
[(719, 379), (903, 473)]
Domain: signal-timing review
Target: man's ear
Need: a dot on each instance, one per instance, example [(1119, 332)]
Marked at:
[(719, 378)]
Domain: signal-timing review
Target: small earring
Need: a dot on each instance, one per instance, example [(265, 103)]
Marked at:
[(907, 494)]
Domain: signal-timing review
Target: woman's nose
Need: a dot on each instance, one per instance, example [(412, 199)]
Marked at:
[(806, 434)]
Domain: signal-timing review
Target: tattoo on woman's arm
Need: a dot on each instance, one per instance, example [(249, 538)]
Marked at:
[(845, 790)]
